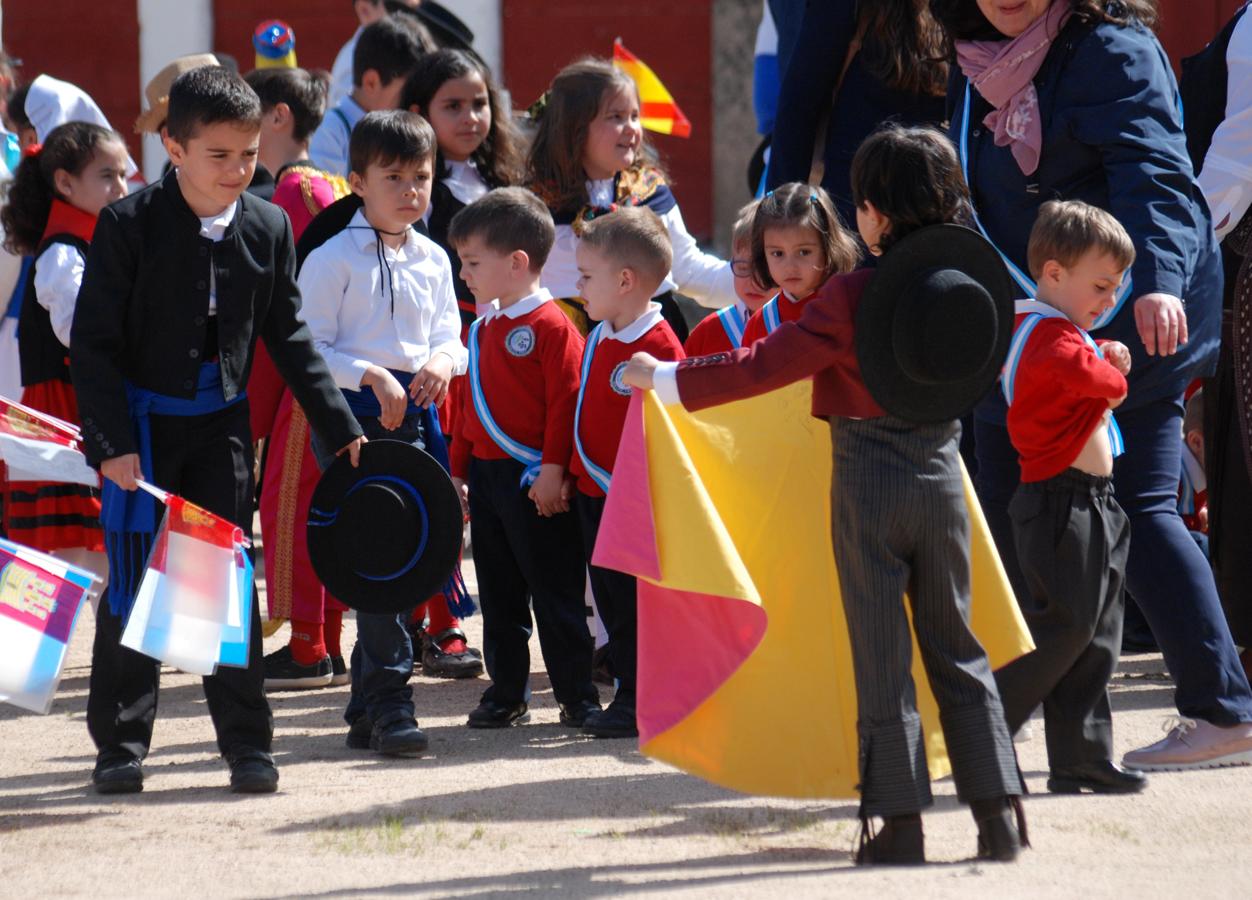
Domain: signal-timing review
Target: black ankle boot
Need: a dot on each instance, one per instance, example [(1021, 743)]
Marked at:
[(1000, 838), (899, 843)]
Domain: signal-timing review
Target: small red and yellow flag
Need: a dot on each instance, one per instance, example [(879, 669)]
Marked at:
[(657, 109)]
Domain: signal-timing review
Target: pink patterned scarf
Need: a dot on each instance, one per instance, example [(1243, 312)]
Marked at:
[(1003, 72)]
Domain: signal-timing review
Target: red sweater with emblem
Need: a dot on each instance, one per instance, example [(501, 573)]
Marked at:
[(529, 369), (821, 344), (1061, 391), (788, 311), (606, 397)]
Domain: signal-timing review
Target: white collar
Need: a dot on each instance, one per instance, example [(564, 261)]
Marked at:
[(464, 182), (1194, 471), (527, 304), (601, 192), (213, 227), (1047, 310), (636, 329), (364, 237)]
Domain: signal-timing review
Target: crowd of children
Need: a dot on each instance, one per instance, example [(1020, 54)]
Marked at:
[(428, 282)]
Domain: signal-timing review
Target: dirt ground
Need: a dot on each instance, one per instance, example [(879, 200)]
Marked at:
[(539, 809)]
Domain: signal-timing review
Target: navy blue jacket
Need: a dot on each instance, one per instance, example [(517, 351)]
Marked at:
[(1112, 137), (863, 103)]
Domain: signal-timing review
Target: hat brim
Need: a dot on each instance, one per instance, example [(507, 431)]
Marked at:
[(430, 572), (936, 246), (150, 120)]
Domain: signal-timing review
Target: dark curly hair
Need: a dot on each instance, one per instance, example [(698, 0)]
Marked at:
[(963, 21), (25, 212), (498, 157), (911, 176)]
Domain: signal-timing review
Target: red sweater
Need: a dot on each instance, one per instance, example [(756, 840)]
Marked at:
[(529, 371), (820, 345), (709, 336), (1060, 393), (605, 397), (788, 311)]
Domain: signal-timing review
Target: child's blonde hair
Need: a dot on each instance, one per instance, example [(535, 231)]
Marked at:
[(741, 232), (633, 237), (1065, 230)]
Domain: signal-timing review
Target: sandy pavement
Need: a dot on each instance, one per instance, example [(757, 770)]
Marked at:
[(540, 809)]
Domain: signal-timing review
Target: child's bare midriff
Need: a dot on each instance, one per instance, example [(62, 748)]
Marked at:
[(1096, 456)]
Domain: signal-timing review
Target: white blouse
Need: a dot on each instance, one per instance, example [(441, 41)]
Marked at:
[(1226, 176), (58, 276)]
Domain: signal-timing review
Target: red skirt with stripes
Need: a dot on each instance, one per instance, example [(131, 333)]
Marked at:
[(49, 515)]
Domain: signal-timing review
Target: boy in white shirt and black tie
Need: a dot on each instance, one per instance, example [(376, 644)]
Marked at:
[(378, 298)]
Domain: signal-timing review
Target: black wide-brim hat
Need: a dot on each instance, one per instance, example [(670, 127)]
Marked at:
[(385, 536), (934, 324)]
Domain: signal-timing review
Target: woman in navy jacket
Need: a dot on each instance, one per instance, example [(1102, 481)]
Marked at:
[(889, 54), (1112, 136)]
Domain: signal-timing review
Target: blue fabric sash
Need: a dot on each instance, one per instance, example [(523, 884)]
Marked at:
[(771, 315), (601, 477), (732, 322), (123, 512), (527, 456)]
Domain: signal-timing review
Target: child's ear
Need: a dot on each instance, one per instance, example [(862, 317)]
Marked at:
[(416, 108), (1195, 441), (356, 183), (627, 279), (173, 149), (1052, 271), (370, 81), (282, 115), (519, 261), (62, 182)]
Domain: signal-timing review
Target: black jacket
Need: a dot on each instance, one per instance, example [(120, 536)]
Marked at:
[(143, 310)]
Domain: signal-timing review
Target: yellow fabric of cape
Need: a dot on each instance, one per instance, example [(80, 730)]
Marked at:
[(740, 499)]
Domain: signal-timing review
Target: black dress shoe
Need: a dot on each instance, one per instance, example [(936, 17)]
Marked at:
[(575, 714), (359, 733), (252, 772), (618, 721), (117, 773), (400, 737), (1000, 838), (1102, 777), (490, 714), (900, 842)]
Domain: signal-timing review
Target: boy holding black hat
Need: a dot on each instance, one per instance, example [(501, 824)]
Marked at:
[(899, 518), (379, 301), (514, 440), (1072, 537), (181, 280)]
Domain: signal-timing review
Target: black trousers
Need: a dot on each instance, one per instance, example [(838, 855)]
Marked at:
[(1230, 498), (207, 460), (1072, 543), (523, 558), (899, 523), (615, 594)]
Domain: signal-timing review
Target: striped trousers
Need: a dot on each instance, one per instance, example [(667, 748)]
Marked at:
[(899, 524)]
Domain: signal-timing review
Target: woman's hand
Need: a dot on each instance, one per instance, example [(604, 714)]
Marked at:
[(639, 371), (1162, 323)]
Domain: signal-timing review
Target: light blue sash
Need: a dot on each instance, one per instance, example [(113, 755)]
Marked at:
[(732, 322), (1037, 312), (527, 456), (769, 312), (600, 476)]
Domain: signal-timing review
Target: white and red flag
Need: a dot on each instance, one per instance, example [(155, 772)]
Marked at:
[(38, 447)]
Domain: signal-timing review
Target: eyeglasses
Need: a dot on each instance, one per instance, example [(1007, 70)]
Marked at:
[(742, 268)]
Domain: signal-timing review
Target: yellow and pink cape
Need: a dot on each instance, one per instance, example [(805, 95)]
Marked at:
[(745, 671)]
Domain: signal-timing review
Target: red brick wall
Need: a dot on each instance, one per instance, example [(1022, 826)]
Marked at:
[(671, 37), (1187, 25), (64, 40)]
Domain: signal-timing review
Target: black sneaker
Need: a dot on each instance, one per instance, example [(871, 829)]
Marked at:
[(575, 714), (497, 715), (252, 772), (399, 738), (339, 673), (359, 734), (618, 721), (283, 673), (117, 772), (438, 663)]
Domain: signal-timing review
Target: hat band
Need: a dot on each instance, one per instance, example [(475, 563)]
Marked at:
[(325, 519)]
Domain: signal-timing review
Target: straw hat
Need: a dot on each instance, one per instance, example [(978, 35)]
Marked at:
[(157, 92)]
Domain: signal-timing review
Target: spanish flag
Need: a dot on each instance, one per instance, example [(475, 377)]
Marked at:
[(657, 108), (745, 667)]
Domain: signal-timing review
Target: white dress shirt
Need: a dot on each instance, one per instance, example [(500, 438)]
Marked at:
[(699, 275), (1226, 176), (213, 228), (58, 276), (328, 148), (358, 319), (341, 72)]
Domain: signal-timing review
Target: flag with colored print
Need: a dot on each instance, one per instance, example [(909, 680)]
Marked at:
[(40, 599), (657, 110), (745, 667), (38, 447), (194, 603)]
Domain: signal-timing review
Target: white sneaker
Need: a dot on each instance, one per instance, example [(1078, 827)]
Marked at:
[(1194, 744)]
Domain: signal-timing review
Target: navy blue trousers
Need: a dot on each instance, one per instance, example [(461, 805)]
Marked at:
[(1166, 572)]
